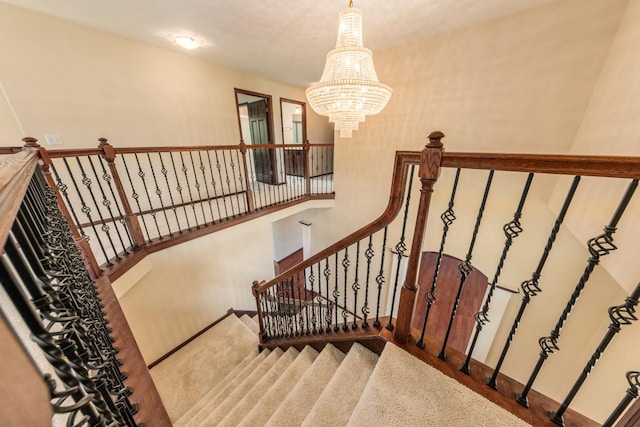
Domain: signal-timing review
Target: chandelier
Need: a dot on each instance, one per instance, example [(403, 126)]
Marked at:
[(349, 88)]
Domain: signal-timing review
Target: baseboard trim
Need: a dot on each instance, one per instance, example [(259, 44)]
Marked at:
[(238, 313)]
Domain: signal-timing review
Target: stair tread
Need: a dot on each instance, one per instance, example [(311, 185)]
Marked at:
[(398, 374), (267, 405), (250, 323), (334, 406), (207, 398), (295, 407), (184, 377), (217, 412), (246, 402)]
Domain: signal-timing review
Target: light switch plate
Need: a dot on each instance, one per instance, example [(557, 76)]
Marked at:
[(53, 139)]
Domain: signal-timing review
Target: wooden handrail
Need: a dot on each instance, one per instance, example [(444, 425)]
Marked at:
[(15, 175), (398, 183), (559, 164)]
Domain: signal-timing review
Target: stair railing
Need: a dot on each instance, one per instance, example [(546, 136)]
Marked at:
[(125, 202), (315, 297), (56, 308)]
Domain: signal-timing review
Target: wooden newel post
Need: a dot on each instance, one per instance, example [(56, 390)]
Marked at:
[(256, 294), (109, 154), (247, 180), (31, 144), (428, 173), (307, 169)]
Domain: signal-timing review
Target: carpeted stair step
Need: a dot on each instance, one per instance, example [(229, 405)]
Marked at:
[(208, 398), (295, 407), (341, 395), (184, 377), (246, 402), (404, 391), (250, 323), (213, 414), (269, 402)]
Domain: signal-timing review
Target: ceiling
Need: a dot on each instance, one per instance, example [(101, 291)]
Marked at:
[(280, 40)]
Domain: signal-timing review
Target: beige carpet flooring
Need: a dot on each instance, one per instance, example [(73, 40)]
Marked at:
[(280, 389)]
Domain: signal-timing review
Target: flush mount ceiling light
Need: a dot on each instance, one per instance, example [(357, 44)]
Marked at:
[(187, 42), (349, 88)]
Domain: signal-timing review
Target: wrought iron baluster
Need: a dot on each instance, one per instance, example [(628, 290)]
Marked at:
[(215, 190), (135, 197), (293, 308), (620, 315), (62, 188), (107, 178), (319, 298), (329, 311), (633, 377), (241, 181), (153, 212), (531, 287), (447, 218), (228, 181), (380, 278), (219, 167), (266, 334), (336, 293), (206, 186), (368, 253), (179, 190), (186, 179), (197, 185), (301, 311), (87, 211), (356, 287), (306, 302), (164, 172), (312, 279), (465, 267), (511, 230), (158, 193), (401, 247), (598, 246), (345, 266)]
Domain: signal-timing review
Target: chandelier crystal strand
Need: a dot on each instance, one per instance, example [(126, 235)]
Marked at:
[(349, 88)]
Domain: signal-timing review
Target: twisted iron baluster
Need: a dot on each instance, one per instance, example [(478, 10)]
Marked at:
[(107, 178), (401, 247), (164, 172), (447, 217), (633, 377), (345, 265), (186, 178), (356, 287), (197, 185), (465, 267), (136, 197), (511, 230), (179, 190), (531, 287), (107, 204), (620, 315), (158, 193), (599, 246), (329, 312), (380, 279), (152, 212), (215, 190), (368, 253)]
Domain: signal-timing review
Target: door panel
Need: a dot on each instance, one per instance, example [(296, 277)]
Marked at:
[(263, 159)]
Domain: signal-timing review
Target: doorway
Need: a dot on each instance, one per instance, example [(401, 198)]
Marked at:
[(294, 134), (255, 120)]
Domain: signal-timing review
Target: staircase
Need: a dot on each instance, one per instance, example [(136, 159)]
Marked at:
[(220, 379)]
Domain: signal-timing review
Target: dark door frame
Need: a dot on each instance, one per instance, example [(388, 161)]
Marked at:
[(270, 133)]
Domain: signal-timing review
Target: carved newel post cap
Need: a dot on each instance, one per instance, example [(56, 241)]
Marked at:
[(30, 141), (435, 139), (103, 141)]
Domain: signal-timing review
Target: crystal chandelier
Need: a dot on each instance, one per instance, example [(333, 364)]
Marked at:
[(349, 88)]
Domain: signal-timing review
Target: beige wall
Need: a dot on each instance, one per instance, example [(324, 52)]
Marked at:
[(83, 84)]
